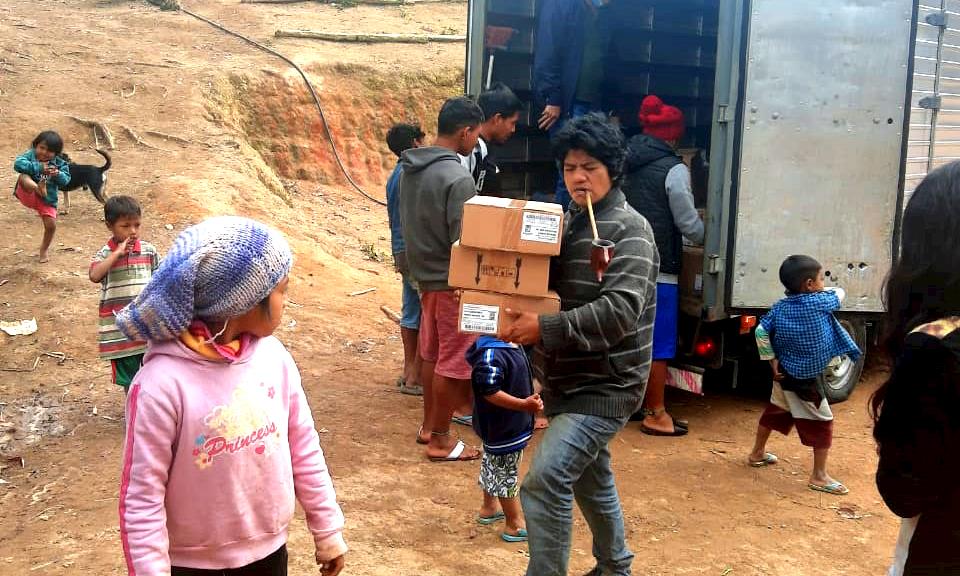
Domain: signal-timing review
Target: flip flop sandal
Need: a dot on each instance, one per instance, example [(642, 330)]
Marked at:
[(521, 536), (420, 439), (641, 414), (488, 520), (677, 431), (463, 420), (835, 488), (411, 390), (768, 460), (455, 455)]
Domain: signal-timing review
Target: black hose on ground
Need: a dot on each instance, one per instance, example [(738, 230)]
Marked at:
[(316, 99)]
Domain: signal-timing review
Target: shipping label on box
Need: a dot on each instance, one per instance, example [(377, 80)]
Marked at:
[(479, 318), (496, 271), (509, 225), (540, 227), (484, 312)]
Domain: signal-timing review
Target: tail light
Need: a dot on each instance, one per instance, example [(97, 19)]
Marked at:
[(705, 347), (747, 323)]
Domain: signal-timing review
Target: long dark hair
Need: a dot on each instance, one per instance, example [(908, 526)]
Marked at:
[(925, 284)]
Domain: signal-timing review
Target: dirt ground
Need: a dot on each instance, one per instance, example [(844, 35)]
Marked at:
[(248, 142)]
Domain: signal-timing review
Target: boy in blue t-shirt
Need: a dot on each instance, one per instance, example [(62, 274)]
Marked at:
[(800, 337), (503, 412)]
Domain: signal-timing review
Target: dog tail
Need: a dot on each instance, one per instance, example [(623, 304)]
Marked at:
[(106, 156)]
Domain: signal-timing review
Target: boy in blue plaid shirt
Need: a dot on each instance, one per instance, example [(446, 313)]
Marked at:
[(800, 337)]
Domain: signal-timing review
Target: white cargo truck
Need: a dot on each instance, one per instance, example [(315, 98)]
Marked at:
[(814, 119)]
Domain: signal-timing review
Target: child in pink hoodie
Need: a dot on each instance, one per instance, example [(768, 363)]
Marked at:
[(220, 438)]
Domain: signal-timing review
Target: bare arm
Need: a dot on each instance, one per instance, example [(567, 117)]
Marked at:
[(503, 400), (100, 269)]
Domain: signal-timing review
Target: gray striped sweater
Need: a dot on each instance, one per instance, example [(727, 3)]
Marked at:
[(594, 356)]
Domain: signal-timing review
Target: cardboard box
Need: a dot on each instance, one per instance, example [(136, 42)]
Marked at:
[(691, 281), (496, 271), (483, 312), (512, 225)]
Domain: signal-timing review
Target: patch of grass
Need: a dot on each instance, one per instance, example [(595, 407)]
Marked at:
[(371, 253), (341, 4)]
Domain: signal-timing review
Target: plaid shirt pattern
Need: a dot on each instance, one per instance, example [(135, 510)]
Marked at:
[(805, 334)]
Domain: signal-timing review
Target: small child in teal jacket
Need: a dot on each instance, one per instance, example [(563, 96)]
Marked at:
[(42, 173)]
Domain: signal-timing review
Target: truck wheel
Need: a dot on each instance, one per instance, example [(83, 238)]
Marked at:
[(839, 379)]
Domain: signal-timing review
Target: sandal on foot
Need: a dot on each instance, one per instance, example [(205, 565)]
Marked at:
[(521, 536), (492, 519), (677, 431), (411, 389), (768, 460), (835, 488), (463, 420), (420, 439), (644, 412), (455, 455)]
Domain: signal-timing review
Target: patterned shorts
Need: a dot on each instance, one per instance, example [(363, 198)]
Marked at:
[(500, 474)]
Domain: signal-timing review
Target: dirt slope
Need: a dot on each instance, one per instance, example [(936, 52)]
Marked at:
[(255, 147)]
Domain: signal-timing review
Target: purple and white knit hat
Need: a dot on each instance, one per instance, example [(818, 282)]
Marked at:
[(215, 270)]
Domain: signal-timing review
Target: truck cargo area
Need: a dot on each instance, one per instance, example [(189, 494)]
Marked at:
[(662, 47)]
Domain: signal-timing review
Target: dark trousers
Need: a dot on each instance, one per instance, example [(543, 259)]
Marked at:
[(273, 565)]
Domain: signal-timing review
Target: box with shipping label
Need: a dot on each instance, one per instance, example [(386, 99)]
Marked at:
[(496, 271), (512, 225), (484, 312)]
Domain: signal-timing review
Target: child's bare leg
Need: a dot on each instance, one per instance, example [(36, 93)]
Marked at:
[(49, 228), (28, 184), (464, 404), (819, 475), (489, 507), (760, 445), (514, 513), (66, 202)]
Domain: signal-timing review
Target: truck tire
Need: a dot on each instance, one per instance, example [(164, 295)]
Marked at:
[(838, 381)]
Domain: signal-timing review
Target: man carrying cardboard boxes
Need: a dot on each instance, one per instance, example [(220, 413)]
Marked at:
[(593, 357), (433, 188)]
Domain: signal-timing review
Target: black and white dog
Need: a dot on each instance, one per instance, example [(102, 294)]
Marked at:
[(88, 177)]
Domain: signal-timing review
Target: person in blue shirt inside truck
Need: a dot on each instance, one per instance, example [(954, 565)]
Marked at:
[(401, 138), (568, 65)]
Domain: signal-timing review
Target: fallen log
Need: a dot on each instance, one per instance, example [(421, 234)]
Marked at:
[(353, 37), (165, 136), (363, 2), (166, 4), (97, 125), (136, 138), (390, 314)]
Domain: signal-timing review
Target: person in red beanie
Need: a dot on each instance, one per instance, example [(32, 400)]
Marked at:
[(657, 185)]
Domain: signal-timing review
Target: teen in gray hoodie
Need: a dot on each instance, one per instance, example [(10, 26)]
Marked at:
[(433, 188)]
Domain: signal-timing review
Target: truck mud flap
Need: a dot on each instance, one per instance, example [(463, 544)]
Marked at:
[(685, 377)]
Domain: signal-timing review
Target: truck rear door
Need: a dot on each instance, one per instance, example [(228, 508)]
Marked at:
[(819, 160), (935, 107)]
